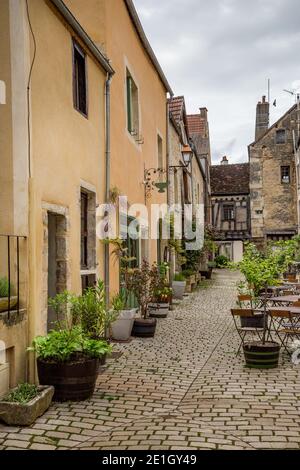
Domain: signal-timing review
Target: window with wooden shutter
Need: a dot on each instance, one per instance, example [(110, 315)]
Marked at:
[(79, 79)]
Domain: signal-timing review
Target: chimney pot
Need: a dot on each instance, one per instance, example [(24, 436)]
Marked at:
[(224, 161), (262, 117), (203, 113)]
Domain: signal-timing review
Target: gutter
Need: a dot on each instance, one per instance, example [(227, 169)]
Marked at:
[(107, 177), (82, 34), (141, 33)]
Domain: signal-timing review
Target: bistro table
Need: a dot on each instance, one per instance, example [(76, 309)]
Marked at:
[(285, 300), (277, 289), (291, 309)]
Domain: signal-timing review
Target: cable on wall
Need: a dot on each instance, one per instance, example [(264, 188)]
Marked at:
[(28, 86)]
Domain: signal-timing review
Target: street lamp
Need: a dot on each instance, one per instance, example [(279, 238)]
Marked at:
[(187, 156)]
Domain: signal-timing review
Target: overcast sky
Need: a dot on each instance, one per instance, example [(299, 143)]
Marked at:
[(220, 53)]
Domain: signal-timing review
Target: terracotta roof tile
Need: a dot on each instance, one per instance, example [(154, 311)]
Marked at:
[(176, 106), (196, 124), (230, 179)]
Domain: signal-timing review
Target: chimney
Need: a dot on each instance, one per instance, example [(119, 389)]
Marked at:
[(203, 113), (262, 118), (224, 161)]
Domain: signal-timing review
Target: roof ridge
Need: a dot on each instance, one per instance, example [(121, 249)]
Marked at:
[(274, 124)]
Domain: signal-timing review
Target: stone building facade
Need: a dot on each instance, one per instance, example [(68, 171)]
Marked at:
[(230, 195), (198, 127), (187, 184), (273, 182)]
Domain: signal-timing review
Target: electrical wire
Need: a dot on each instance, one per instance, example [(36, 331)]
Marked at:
[(28, 86)]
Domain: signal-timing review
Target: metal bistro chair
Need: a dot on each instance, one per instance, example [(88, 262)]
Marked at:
[(286, 326), (288, 292), (245, 300), (243, 331)]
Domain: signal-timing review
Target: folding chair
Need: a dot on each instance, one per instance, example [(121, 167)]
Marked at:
[(243, 331), (286, 326), (288, 292), (245, 300)]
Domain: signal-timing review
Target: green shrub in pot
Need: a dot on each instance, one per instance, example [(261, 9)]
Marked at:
[(91, 312), (24, 404), (143, 282), (69, 356), (69, 360)]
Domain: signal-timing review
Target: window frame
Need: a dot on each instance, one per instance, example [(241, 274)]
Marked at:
[(282, 176), (225, 207), (76, 48), (132, 110), (280, 132)]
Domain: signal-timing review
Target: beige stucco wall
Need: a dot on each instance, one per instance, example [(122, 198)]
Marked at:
[(113, 29), (68, 149), (14, 176)]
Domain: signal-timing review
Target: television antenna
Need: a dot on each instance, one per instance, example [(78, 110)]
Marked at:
[(294, 93)]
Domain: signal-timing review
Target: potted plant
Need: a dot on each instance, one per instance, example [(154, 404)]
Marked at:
[(69, 356), (6, 297), (161, 302), (190, 278), (179, 286), (25, 403), (211, 265), (221, 261), (261, 270), (121, 328), (69, 360), (142, 282), (91, 313)]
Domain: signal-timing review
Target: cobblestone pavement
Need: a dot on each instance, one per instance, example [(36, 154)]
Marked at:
[(184, 389)]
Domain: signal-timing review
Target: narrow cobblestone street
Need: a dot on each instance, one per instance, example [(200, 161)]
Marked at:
[(185, 389)]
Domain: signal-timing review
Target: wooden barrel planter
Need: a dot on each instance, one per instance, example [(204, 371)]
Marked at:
[(262, 356), (144, 328), (73, 381)]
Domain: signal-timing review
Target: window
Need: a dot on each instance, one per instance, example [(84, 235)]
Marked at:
[(88, 232), (285, 174), (176, 192), (160, 152), (228, 212), (79, 79), (84, 230), (280, 136), (132, 106)]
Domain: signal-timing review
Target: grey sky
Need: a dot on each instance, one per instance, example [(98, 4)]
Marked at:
[(220, 53)]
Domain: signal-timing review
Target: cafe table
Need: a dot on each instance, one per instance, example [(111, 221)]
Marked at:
[(291, 309), (285, 300)]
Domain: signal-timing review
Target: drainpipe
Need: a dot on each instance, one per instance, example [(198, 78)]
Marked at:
[(107, 176)]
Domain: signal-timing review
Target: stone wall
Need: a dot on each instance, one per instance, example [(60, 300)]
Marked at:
[(273, 203)]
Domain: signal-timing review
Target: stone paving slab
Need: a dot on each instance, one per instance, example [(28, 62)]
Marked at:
[(184, 389)]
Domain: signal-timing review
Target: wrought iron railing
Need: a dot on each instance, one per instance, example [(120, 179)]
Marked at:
[(13, 249)]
